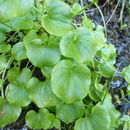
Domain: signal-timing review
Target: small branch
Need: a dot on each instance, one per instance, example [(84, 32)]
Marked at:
[(86, 7), (113, 12), (99, 7)]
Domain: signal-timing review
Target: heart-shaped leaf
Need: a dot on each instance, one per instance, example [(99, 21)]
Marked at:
[(17, 94), (42, 119), (69, 112), (70, 82), (19, 52), (40, 54), (16, 91), (58, 19), (12, 8), (4, 48), (114, 114), (79, 45), (8, 112), (98, 119), (22, 22), (40, 93), (106, 69), (108, 53)]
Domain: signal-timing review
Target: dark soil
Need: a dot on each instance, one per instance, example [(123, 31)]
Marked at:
[(118, 37)]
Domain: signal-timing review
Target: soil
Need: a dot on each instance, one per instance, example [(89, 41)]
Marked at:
[(118, 37)]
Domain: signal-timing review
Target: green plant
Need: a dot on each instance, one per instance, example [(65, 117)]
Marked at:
[(72, 58)]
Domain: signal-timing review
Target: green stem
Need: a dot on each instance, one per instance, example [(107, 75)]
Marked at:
[(37, 10), (110, 83), (103, 19), (86, 7), (121, 13), (3, 76), (81, 1)]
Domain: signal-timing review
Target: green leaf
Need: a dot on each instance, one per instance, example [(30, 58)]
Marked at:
[(70, 82), (1, 83), (19, 52), (12, 71), (42, 119), (3, 63), (17, 94), (4, 48), (12, 8), (98, 119), (79, 45), (99, 37), (95, 94), (2, 37), (8, 112), (40, 93), (114, 114), (106, 69), (108, 53), (4, 28), (69, 112), (57, 124), (87, 23), (58, 19), (76, 8), (40, 54), (23, 22), (126, 73), (16, 91)]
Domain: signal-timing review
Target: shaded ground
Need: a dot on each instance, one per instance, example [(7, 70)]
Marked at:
[(115, 35)]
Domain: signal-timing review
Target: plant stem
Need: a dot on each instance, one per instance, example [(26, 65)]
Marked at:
[(121, 13), (3, 76), (103, 19), (37, 10), (110, 83), (81, 1), (86, 7)]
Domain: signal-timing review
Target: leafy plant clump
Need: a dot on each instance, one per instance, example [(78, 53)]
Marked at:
[(73, 58)]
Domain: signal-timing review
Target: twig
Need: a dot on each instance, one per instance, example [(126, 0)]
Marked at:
[(99, 7), (113, 12), (103, 19), (86, 7)]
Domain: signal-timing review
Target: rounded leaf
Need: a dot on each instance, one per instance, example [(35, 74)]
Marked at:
[(40, 54), (58, 19), (98, 120), (42, 119), (114, 114), (8, 112), (106, 70), (79, 45), (12, 8), (19, 52), (70, 82), (4, 48), (69, 112), (40, 93), (17, 94)]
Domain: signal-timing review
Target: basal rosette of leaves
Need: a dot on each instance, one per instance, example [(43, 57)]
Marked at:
[(72, 58)]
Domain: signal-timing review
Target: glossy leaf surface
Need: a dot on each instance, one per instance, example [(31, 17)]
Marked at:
[(70, 82)]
